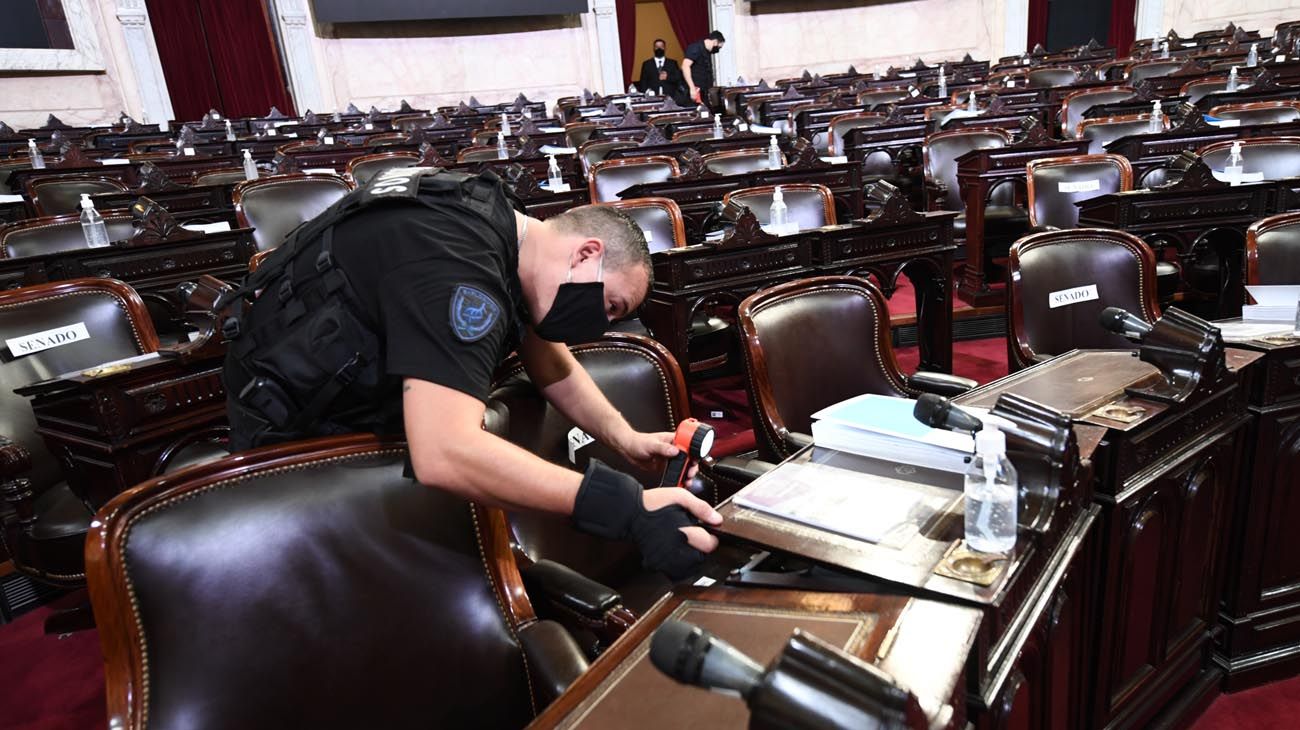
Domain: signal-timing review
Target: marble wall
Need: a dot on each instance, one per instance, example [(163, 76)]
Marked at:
[(1190, 16)]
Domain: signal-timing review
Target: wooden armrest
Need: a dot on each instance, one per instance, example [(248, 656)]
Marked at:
[(940, 383)]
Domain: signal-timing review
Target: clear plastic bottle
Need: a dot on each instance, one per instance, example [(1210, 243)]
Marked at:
[(943, 84), (34, 154), (250, 167), (992, 491), (1232, 79), (970, 103), (92, 224), (717, 126), (503, 152), (1235, 168), (773, 153), (1252, 56), (1156, 123), (1164, 48), (554, 178), (337, 117), (505, 124), (778, 213), (230, 132)]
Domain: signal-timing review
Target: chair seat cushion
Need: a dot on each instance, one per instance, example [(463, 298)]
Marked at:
[(60, 513)]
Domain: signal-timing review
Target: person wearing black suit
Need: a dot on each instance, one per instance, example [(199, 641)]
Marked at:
[(661, 74)]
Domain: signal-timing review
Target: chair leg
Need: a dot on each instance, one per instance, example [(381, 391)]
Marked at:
[(72, 613)]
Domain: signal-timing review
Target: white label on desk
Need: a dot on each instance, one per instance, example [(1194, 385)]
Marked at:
[(577, 439), (44, 340), (329, 140), (1225, 122), (1067, 297), (1279, 58), (320, 170), (1011, 83), (216, 116), (188, 151), (218, 227), (285, 123), (11, 198), (292, 135), (114, 161), (369, 126), (915, 92), (1078, 186)]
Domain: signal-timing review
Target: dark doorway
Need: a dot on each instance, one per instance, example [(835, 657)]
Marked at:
[(1074, 22), (219, 54)]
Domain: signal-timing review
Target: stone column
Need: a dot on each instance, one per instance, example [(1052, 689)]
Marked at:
[(722, 18), (296, 34), (155, 102), (611, 55)]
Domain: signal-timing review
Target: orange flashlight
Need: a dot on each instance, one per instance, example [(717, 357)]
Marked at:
[(693, 440)]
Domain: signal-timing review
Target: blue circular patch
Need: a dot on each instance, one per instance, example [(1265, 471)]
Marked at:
[(473, 313)]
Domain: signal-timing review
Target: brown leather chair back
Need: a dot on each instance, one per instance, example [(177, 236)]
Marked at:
[(1057, 183), (1077, 103), (274, 206), (62, 195), (308, 585), (660, 220), (596, 151), (116, 325), (576, 134), (1201, 88), (736, 162), (1273, 250), (643, 381), (1045, 78), (7, 168), (484, 153), (1101, 132), (693, 135), (878, 97), (363, 169), (942, 149), (1276, 157), (231, 176), (609, 178), (1260, 112), (840, 126), (41, 236), (809, 204), (809, 344), (1043, 265), (1152, 69)]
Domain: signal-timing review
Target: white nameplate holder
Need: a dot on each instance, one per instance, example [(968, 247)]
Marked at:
[(114, 161), (46, 339), (329, 140), (188, 151), (577, 439), (1078, 186), (1066, 297)]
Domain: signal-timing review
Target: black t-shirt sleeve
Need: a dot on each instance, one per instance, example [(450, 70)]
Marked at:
[(445, 323), (695, 52)]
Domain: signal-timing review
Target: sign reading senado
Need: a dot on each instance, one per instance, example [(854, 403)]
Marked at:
[(37, 341)]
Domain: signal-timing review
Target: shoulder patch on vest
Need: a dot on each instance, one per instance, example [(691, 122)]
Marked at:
[(473, 313)]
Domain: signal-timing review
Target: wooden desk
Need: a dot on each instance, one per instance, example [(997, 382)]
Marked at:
[(189, 204), (1148, 152), (1164, 484), (978, 171), (922, 644)]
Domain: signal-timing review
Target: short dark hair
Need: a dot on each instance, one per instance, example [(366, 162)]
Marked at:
[(625, 243), (717, 36), (660, 40)]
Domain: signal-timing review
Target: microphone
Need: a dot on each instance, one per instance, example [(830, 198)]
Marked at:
[(691, 655), (936, 411), (1124, 324)]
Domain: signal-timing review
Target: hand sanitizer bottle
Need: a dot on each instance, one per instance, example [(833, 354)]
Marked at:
[(503, 153), (1252, 56), (776, 216), (1156, 124), (773, 154), (92, 224), (970, 102), (717, 126), (505, 124), (337, 117), (320, 136), (992, 491), (250, 167), (1234, 169), (34, 154), (554, 178), (631, 89), (1164, 48), (230, 132), (1232, 79), (943, 84)]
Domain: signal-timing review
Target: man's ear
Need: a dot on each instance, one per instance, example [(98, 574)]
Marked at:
[(590, 248)]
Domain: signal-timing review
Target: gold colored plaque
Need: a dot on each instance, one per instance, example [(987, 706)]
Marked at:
[(101, 371), (1116, 412)]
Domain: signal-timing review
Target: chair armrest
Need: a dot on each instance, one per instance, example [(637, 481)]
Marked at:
[(736, 469), (554, 658), (795, 440), (940, 383), (569, 589), (16, 489)]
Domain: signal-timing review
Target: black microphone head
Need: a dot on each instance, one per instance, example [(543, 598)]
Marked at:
[(931, 409), (1113, 319), (677, 649)]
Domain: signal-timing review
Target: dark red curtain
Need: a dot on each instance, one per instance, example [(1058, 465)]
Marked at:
[(689, 18), (626, 12), (1037, 24), (1123, 26), (219, 54)]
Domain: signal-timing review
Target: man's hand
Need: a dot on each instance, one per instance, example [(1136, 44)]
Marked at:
[(695, 94), (648, 451), (698, 537), (663, 75)]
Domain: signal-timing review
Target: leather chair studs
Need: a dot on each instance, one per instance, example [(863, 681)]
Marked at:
[(1273, 250), (274, 206), (809, 204), (660, 220), (609, 178), (40, 236), (275, 559), (1057, 183), (62, 195)]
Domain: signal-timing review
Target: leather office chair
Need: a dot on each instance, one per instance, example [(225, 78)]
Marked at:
[(362, 170), (597, 150), (576, 134), (362, 598), (1151, 69), (1276, 157), (1002, 218), (62, 195), (231, 176), (814, 342), (1076, 104), (274, 206), (484, 153), (46, 534), (1101, 132), (1046, 78), (693, 135), (736, 162), (880, 97), (39, 236), (660, 220), (1050, 207), (809, 204), (1203, 87), (1259, 112), (1273, 250), (7, 168), (1121, 266), (609, 178), (840, 126)]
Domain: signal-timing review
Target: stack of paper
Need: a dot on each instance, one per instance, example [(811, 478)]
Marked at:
[(884, 428), (1272, 304)]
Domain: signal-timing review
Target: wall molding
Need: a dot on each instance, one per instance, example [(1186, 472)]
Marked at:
[(1150, 20), (722, 18), (607, 45), (297, 33), (1015, 38), (84, 55), (155, 100)]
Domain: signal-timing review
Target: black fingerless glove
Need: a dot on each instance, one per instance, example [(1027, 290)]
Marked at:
[(609, 505)]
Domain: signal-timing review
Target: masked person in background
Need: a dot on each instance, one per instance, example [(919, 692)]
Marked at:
[(662, 75), (389, 313), (697, 66)]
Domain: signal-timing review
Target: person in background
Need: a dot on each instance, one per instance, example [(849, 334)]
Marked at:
[(697, 66), (662, 74)]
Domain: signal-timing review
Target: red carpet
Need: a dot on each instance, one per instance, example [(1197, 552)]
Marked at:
[(1268, 706), (47, 682)]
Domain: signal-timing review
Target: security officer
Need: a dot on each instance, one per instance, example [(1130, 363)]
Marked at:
[(390, 311)]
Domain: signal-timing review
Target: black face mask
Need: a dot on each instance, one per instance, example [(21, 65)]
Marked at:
[(715, 49), (578, 313), (659, 53)]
